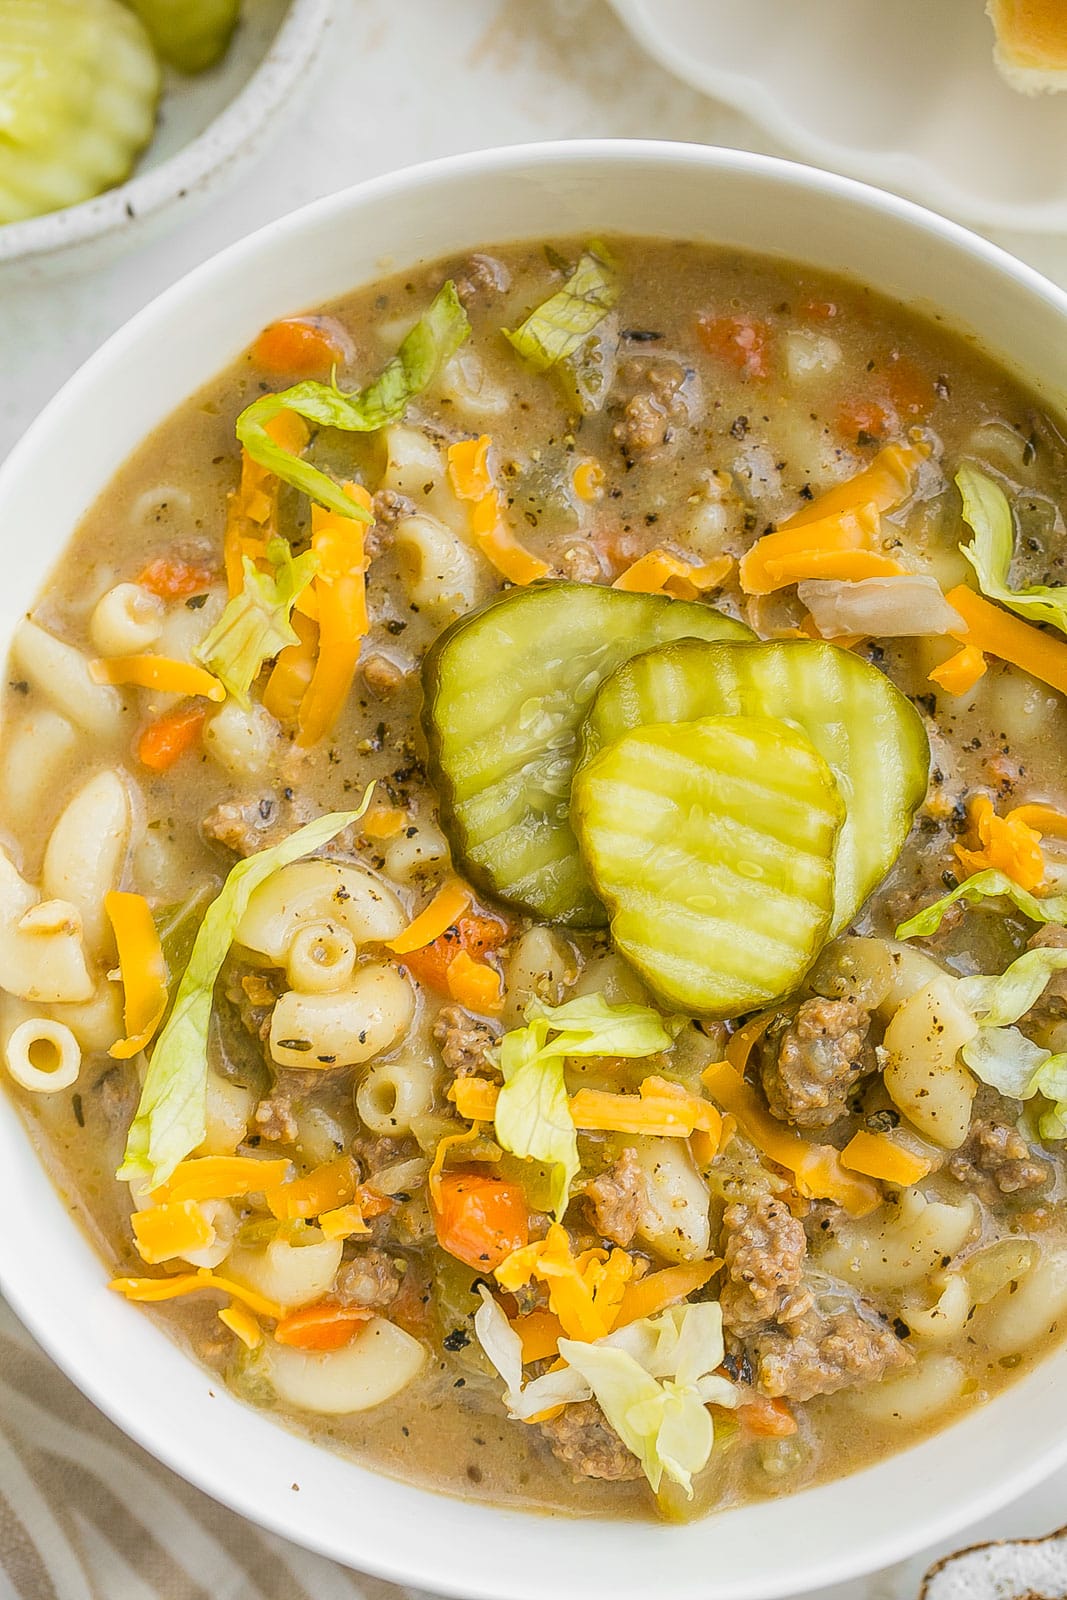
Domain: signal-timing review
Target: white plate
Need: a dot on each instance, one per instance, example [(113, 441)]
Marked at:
[(902, 93), (209, 125), (49, 1271)]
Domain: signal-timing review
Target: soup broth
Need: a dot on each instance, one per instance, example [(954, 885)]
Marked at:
[(859, 1226)]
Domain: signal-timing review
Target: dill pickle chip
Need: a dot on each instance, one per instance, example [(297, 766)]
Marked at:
[(869, 733), (712, 845), (505, 689), (79, 85), (189, 34)]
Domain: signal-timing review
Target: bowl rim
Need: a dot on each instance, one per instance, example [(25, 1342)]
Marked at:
[(95, 1372), (748, 93), (215, 147)]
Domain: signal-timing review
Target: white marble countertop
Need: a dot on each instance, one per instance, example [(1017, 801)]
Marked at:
[(401, 81)]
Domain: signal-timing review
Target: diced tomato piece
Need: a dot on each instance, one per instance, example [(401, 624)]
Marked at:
[(743, 342)]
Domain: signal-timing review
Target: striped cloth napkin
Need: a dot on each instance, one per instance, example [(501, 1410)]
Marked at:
[(87, 1515)]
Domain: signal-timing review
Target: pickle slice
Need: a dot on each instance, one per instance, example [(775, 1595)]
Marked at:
[(869, 733), (506, 688), (189, 34), (712, 844)]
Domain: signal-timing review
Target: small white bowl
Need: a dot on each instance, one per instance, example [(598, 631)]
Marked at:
[(209, 126), (903, 94), (49, 1271)]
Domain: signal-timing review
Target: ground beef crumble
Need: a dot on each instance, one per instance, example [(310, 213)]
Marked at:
[(822, 1354), (996, 1160), (618, 1199), (811, 1064), (370, 1279), (764, 1248), (656, 407), (463, 1041), (583, 1440)]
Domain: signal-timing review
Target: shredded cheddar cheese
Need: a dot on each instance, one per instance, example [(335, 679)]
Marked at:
[(325, 1188), (142, 968), (660, 572), (446, 908), (959, 674), (885, 484), (222, 1178), (990, 629), (150, 1290), (816, 1168), (157, 672), (343, 1222), (877, 1155), (337, 602), (660, 1109), (241, 1322), (173, 1229), (469, 475), (1007, 844), (584, 1291), (252, 507)]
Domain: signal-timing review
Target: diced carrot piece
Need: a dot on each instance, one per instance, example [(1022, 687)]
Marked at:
[(167, 739), (743, 342), (480, 1220), (322, 1327), (300, 346), (475, 933), (764, 1418), (910, 389), (866, 419), (172, 579)]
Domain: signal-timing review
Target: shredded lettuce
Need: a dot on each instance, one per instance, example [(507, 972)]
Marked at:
[(1002, 1056), (1050, 1080), (556, 330), (433, 340), (987, 512), (1000, 1001), (985, 886), (653, 1379), (256, 624), (533, 1117), (1005, 1059), (171, 1116)]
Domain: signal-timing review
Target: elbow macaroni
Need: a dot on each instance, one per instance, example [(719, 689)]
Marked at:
[(346, 1028), (43, 1055), (922, 1075), (42, 955), (62, 674), (322, 892), (380, 1361), (86, 851), (439, 572), (393, 1094), (126, 620)]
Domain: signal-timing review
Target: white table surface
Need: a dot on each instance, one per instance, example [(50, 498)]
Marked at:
[(402, 81)]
